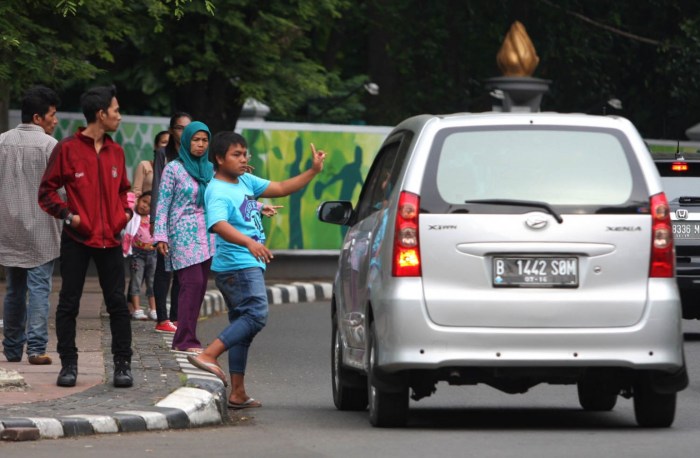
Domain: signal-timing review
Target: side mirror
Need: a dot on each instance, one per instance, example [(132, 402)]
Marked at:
[(335, 212)]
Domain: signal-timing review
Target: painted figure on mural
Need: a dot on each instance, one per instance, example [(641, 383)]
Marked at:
[(296, 234), (350, 176)]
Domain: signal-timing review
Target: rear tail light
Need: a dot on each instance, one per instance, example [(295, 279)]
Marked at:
[(663, 261), (406, 254)]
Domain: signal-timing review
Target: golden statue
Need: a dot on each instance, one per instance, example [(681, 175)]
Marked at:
[(517, 56)]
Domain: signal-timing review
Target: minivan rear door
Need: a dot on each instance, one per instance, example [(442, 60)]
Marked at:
[(534, 227)]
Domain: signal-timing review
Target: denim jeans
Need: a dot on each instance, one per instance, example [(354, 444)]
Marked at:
[(26, 309), (246, 298), (142, 266)]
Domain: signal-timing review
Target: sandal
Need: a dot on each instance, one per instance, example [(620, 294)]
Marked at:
[(189, 351), (249, 404), (212, 368)]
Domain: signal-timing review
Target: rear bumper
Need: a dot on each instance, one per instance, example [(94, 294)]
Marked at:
[(410, 340)]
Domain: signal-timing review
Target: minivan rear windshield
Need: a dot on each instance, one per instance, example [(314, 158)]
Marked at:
[(554, 165)]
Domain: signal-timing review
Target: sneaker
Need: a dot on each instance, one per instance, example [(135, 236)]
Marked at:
[(166, 326), (139, 315), (153, 315), (68, 375), (122, 374), (40, 359)]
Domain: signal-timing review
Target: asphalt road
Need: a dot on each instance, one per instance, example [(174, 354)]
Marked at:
[(289, 371)]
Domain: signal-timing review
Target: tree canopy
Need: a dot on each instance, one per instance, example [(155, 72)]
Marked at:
[(309, 59)]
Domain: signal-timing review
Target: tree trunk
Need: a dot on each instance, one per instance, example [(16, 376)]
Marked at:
[(215, 103), (382, 69), (4, 109)]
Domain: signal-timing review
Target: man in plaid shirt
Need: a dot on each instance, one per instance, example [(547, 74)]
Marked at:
[(29, 238)]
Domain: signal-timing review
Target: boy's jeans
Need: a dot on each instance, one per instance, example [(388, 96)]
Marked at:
[(26, 310), (246, 298)]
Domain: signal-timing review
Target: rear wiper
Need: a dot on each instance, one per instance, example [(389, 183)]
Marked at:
[(520, 203), (689, 200)]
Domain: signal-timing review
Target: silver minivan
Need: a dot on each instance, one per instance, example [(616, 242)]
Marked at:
[(509, 249)]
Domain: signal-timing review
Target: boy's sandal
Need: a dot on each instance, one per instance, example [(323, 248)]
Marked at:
[(212, 368), (248, 404)]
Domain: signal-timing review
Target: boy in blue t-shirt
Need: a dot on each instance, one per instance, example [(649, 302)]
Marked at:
[(234, 215)]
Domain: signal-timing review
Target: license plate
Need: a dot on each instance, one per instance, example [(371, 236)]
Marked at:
[(686, 229), (553, 272)]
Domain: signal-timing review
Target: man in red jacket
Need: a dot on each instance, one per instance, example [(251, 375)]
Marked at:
[(91, 167)]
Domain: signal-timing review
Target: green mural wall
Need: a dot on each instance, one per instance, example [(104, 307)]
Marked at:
[(279, 151), (135, 134), (280, 154)]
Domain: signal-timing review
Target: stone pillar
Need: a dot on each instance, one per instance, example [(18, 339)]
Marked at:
[(520, 93)]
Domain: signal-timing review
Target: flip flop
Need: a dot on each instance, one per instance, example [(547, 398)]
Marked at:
[(189, 351), (212, 368), (249, 404)]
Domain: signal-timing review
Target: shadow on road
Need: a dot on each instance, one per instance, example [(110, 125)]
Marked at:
[(520, 419)]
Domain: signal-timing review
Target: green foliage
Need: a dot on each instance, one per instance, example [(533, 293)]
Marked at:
[(209, 64), (306, 59), (61, 43), (434, 57), (47, 42)]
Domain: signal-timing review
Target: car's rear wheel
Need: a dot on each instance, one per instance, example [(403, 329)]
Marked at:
[(387, 408), (652, 409), (349, 390), (594, 397)]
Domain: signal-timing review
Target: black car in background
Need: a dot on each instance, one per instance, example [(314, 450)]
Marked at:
[(680, 176)]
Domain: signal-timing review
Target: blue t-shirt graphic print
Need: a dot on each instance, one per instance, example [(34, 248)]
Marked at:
[(235, 204), (250, 209)]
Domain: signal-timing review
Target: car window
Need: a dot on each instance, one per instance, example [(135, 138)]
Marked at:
[(677, 187), (553, 165), (679, 183), (383, 176), (375, 189)]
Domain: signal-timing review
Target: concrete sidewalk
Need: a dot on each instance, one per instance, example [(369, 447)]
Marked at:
[(168, 392)]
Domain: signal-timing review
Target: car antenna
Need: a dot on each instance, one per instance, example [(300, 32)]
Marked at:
[(679, 155)]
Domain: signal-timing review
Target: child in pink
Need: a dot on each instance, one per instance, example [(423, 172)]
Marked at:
[(143, 258)]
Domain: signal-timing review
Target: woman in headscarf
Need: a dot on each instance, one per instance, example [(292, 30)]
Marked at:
[(180, 231)]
